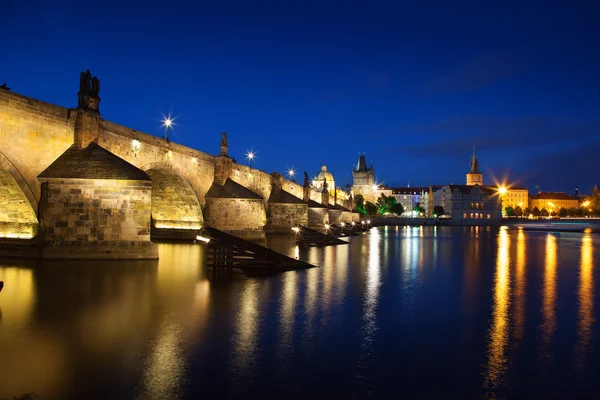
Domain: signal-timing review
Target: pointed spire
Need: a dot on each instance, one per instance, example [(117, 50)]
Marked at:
[(474, 163)]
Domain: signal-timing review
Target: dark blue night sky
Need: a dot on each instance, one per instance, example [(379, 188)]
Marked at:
[(415, 85)]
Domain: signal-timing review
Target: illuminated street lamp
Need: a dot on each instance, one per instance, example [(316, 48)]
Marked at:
[(250, 156), (296, 229), (291, 173), (167, 123), (502, 190)]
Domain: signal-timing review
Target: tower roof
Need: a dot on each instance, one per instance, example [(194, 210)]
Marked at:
[(474, 163), (362, 163)]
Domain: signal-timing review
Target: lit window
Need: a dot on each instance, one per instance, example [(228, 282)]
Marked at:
[(488, 216), (464, 215)]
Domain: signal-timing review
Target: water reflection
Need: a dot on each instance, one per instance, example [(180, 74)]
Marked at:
[(497, 360), (246, 330), (287, 315), (586, 317), (520, 287), (549, 300)]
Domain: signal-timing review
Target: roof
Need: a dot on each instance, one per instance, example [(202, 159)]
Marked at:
[(92, 162), (338, 207), (553, 196), (362, 164), (231, 190), (468, 189), (314, 204), (410, 190), (283, 197), (324, 174)]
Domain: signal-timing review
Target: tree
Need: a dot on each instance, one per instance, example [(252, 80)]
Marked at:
[(536, 212), (420, 210), (573, 212), (518, 211), (438, 210), (526, 211), (562, 212), (359, 202), (370, 208), (385, 204), (397, 209), (544, 212), (510, 212)]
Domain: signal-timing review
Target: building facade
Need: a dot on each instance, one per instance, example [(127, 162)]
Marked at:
[(410, 198), (514, 197), (471, 204), (553, 201)]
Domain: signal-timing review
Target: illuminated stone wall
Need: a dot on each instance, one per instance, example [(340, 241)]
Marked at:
[(17, 218), (282, 217), (335, 216), (174, 202), (32, 135), (317, 217), (149, 152), (240, 217), (89, 218)]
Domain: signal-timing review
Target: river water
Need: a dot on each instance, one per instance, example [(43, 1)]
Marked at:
[(414, 312)]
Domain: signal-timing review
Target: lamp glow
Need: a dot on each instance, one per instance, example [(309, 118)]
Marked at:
[(296, 229), (502, 190)]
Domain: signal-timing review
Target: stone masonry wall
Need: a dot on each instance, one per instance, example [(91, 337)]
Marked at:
[(282, 217), (96, 219), (148, 152), (240, 217), (317, 216), (335, 216), (32, 135), (17, 218)]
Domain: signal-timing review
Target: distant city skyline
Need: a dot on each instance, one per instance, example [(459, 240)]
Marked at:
[(414, 86)]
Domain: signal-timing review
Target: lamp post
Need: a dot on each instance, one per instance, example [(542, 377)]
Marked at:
[(250, 156), (167, 122), (291, 173)]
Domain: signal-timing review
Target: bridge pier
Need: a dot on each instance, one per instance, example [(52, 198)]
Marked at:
[(95, 205)]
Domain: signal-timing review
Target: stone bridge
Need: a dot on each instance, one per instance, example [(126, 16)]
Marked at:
[(74, 185)]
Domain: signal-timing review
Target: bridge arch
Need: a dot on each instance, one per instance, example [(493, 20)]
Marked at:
[(175, 204), (17, 217), (29, 186)]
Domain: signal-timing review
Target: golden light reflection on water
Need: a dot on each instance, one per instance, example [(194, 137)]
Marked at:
[(17, 299), (586, 317), (520, 287), (21, 347), (549, 295), (373, 281), (288, 313), (497, 358), (246, 327)]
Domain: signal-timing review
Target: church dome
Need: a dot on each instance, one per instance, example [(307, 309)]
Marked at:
[(324, 174)]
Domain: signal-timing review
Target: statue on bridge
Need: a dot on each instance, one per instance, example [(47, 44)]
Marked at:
[(89, 89), (224, 145), (306, 181)]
